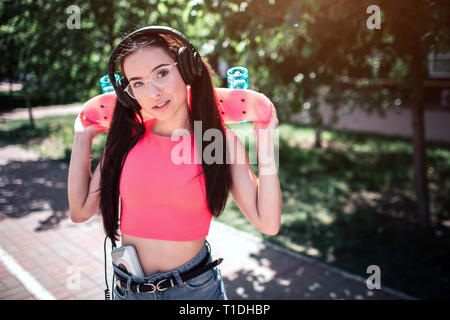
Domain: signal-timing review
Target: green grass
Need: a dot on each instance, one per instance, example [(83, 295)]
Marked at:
[(350, 204)]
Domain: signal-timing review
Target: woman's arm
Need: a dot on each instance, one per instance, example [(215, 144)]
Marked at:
[(259, 199), (269, 201), (83, 201)]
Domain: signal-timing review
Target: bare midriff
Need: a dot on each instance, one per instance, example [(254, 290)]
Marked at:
[(162, 255)]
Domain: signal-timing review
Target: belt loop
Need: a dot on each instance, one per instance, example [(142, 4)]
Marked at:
[(176, 274), (208, 246), (129, 284)]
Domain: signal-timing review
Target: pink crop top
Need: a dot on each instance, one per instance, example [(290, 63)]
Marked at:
[(160, 199)]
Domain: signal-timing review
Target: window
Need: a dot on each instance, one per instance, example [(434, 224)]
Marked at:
[(439, 65)]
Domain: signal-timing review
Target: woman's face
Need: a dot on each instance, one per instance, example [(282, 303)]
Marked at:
[(140, 65)]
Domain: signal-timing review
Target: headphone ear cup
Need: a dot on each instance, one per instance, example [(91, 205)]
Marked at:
[(183, 66), (188, 56), (191, 64), (197, 64)]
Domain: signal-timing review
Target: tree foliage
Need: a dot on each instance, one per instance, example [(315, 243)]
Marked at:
[(300, 53)]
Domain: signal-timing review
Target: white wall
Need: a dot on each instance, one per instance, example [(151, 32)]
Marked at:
[(437, 122)]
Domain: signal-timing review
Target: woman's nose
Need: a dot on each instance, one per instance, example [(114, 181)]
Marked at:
[(153, 90)]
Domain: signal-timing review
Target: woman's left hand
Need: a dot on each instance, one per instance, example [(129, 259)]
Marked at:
[(269, 125)]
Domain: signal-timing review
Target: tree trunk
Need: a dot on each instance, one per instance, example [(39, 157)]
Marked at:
[(419, 157), (317, 119), (318, 136), (30, 113)]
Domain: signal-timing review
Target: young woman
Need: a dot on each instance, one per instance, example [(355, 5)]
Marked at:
[(166, 207)]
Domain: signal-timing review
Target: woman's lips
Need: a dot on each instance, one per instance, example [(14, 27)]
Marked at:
[(163, 107)]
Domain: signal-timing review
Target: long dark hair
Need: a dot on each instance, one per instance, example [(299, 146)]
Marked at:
[(127, 127)]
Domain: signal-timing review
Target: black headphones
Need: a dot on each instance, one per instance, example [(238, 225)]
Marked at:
[(189, 60)]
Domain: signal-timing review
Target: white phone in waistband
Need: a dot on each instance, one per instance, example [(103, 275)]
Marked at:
[(126, 258)]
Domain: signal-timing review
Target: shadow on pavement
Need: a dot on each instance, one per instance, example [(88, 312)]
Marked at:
[(284, 278), (34, 186)]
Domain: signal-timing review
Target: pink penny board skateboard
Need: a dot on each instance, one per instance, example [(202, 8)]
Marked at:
[(235, 105)]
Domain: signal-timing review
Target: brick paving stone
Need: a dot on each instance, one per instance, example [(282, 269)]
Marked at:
[(15, 293), (348, 290), (47, 281), (93, 294), (62, 293), (301, 282), (38, 272), (10, 282), (2, 286), (344, 288)]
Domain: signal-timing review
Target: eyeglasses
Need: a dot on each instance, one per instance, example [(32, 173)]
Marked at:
[(160, 78)]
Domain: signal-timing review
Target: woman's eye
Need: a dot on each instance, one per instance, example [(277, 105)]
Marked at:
[(162, 73), (137, 84)]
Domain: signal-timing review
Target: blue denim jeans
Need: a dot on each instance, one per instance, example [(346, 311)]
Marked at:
[(206, 286)]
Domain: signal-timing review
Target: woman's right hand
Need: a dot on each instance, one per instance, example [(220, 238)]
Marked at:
[(98, 107), (87, 128)]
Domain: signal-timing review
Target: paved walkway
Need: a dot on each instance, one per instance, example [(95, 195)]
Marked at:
[(43, 255), (40, 112)]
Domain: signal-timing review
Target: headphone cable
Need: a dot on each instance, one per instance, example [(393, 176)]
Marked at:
[(107, 293)]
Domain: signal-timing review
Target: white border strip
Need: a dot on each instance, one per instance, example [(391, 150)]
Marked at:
[(30, 283)]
